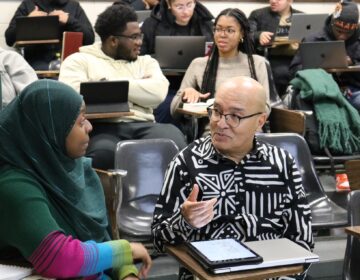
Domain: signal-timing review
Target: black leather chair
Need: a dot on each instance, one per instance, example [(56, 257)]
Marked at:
[(351, 269), (145, 162), (325, 213)]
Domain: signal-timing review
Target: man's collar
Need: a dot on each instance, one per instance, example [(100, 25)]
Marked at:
[(257, 151)]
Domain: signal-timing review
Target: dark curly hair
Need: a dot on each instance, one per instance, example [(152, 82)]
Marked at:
[(114, 19)]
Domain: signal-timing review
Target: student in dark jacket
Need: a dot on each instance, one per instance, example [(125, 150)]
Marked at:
[(176, 18), (341, 25), (71, 17), (273, 22)]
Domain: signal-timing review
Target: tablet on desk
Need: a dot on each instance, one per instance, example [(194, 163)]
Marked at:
[(216, 254)]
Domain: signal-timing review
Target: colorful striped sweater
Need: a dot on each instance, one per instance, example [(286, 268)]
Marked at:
[(30, 224)]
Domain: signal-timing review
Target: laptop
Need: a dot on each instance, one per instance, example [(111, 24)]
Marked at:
[(274, 252), (142, 15), (105, 96), (177, 52), (37, 28), (303, 25), (325, 54)]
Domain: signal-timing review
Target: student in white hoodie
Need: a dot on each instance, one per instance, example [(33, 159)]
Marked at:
[(116, 57), (15, 73)]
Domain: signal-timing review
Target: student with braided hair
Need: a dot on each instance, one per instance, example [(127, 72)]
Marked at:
[(231, 55)]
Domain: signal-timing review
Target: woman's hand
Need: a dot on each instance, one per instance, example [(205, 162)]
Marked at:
[(139, 252), (191, 95)]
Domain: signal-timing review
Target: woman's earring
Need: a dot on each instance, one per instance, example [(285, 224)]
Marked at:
[(241, 40)]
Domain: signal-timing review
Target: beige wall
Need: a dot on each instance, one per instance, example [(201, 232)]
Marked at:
[(93, 8)]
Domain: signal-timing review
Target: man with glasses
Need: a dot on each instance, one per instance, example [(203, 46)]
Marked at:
[(117, 57), (343, 25), (228, 184)]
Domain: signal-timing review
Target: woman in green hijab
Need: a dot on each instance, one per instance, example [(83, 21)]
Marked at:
[(52, 207)]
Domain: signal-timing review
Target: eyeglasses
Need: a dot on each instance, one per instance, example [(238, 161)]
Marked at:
[(232, 120), (227, 31), (133, 37), (188, 6)]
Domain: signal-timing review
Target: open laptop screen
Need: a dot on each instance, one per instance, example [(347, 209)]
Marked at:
[(105, 96), (37, 28)]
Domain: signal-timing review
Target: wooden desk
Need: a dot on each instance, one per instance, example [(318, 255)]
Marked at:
[(179, 252), (47, 73), (20, 44), (355, 231), (93, 116), (352, 68)]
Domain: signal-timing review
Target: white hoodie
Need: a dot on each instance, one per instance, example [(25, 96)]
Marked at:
[(148, 86), (15, 73)]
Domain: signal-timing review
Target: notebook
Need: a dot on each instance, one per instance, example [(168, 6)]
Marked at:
[(142, 15), (275, 252), (326, 54), (303, 25), (105, 96), (37, 28), (12, 272), (177, 52)]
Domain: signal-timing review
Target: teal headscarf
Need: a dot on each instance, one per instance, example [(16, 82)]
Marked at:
[(33, 131)]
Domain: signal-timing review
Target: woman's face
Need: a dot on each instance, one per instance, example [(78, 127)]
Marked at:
[(77, 140), (182, 10), (227, 35)]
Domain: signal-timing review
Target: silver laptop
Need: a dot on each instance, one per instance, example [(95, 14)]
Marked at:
[(177, 52), (142, 15), (275, 252), (303, 25), (326, 54), (105, 96)]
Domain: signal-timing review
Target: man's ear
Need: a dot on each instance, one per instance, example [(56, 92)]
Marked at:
[(261, 121)]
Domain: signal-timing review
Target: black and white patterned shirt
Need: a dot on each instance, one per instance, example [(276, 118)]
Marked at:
[(260, 198)]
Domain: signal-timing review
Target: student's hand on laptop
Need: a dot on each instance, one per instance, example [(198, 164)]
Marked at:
[(265, 38), (198, 213), (37, 13), (191, 95), (63, 16)]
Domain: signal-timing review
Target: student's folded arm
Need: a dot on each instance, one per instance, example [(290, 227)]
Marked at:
[(150, 88)]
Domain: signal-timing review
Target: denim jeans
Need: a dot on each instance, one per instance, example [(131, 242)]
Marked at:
[(353, 96)]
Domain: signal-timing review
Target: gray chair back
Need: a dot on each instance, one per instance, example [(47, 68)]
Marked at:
[(145, 162), (325, 213)]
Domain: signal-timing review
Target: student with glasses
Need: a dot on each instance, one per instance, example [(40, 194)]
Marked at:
[(176, 18), (230, 185), (117, 57), (231, 55)]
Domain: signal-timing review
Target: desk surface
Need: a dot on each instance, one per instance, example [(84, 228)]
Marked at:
[(35, 42), (198, 114), (355, 231), (93, 116), (47, 73), (179, 252), (352, 68)]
